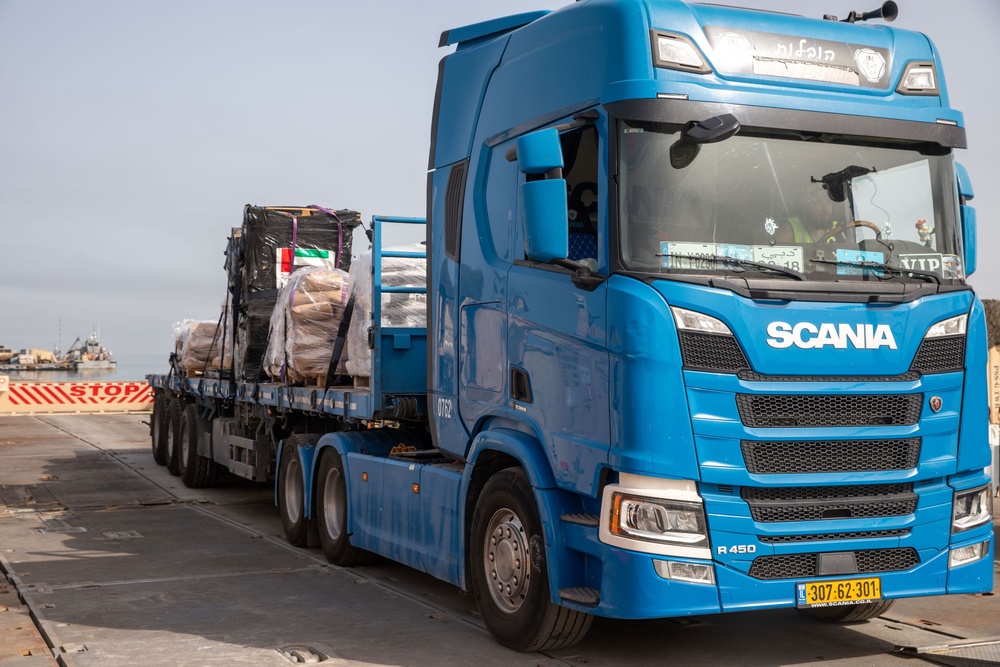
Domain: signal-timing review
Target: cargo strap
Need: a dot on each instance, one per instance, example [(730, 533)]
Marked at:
[(332, 377), (340, 233)]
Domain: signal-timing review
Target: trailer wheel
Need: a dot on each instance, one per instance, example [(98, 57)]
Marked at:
[(331, 514), (509, 572), (291, 492), (849, 613), (174, 410), (158, 428), (195, 470)]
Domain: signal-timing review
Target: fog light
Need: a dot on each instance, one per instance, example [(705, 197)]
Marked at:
[(694, 573), (969, 554)]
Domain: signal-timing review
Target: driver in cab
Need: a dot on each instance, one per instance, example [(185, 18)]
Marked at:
[(811, 219)]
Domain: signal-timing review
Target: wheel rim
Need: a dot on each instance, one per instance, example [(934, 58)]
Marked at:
[(293, 490), (506, 561), (334, 511)]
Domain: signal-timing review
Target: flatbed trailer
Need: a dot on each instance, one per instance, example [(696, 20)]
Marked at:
[(395, 393)]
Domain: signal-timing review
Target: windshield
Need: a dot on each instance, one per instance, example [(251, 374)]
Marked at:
[(815, 207)]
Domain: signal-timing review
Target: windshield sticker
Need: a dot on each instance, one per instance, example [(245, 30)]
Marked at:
[(927, 261), (952, 267), (795, 56), (845, 257), (770, 226), (787, 256), (735, 251)]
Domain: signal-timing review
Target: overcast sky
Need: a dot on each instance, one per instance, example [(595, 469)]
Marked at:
[(132, 133)]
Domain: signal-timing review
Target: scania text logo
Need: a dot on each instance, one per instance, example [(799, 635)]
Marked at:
[(807, 335)]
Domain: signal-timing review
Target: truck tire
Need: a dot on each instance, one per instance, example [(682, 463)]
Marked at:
[(195, 470), (850, 613), (175, 407), (158, 427), (509, 572), (331, 514), (291, 492)]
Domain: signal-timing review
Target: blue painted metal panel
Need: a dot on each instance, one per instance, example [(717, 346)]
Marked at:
[(973, 442), (464, 77), (647, 394), (558, 335)]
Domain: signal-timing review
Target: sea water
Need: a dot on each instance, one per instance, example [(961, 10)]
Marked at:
[(129, 368)]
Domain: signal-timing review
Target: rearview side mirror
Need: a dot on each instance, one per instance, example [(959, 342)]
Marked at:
[(546, 234), (969, 232)]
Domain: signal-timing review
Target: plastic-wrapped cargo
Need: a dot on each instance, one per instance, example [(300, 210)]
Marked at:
[(252, 325), (199, 345), (398, 309), (304, 325)]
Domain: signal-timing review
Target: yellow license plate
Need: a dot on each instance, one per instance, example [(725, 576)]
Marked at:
[(832, 593)]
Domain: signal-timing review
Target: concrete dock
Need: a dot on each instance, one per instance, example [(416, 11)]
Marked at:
[(109, 560)]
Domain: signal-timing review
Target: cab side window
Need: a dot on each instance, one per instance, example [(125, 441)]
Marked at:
[(580, 156)]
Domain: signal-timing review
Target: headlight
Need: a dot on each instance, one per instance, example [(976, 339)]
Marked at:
[(971, 508), (655, 515), (657, 520), (953, 326), (689, 320)]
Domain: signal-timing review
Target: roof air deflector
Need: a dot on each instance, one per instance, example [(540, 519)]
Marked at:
[(488, 28)]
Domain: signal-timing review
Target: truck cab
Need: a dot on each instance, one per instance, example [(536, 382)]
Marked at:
[(699, 273)]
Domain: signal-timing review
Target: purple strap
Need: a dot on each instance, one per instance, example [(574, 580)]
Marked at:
[(340, 233)]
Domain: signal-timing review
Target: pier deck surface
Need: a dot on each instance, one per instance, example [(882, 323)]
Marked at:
[(109, 560)]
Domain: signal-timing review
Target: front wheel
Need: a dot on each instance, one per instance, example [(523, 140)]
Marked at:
[(331, 514), (291, 491), (850, 613), (509, 572)]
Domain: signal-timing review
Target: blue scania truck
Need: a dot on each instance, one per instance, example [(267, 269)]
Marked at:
[(699, 337)]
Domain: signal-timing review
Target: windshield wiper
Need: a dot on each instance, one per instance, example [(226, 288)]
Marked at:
[(745, 264), (893, 271)]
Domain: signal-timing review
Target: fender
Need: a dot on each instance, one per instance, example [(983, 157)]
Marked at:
[(378, 443), (307, 456), (550, 501), (523, 447)]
